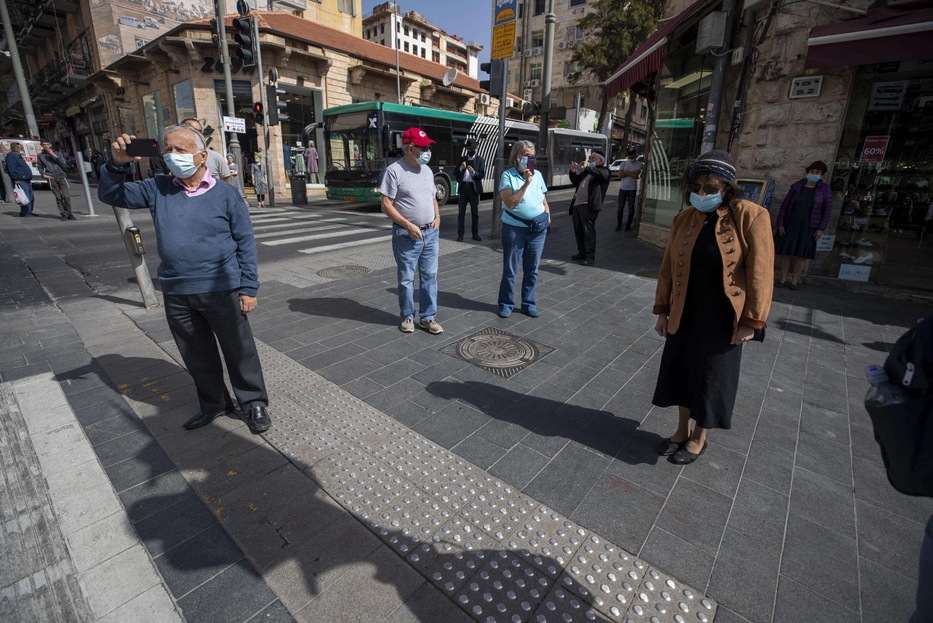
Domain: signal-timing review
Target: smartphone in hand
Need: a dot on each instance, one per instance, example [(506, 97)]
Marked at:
[(144, 148), (531, 164)]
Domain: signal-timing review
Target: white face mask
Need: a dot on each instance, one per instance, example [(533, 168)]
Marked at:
[(182, 165)]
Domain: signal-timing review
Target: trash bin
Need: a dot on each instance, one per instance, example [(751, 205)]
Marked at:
[(299, 190)]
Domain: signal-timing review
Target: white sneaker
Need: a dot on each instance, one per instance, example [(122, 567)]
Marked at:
[(431, 326), (862, 242), (865, 259), (407, 326)]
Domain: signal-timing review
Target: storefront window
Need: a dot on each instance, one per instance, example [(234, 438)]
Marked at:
[(882, 219), (301, 112), (184, 100)]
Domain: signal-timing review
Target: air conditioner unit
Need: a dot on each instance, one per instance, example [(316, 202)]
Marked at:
[(528, 52), (484, 98), (509, 102), (536, 52), (534, 83), (527, 83), (571, 43), (561, 45), (527, 94)]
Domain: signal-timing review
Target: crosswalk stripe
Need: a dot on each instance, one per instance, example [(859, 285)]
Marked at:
[(339, 234), (305, 221), (345, 245), (269, 234)]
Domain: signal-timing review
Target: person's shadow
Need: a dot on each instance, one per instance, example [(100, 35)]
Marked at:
[(342, 308)]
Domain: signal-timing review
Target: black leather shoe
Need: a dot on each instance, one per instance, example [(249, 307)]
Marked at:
[(459, 237), (578, 256), (72, 217), (202, 419), (477, 238), (668, 447), (682, 457), (257, 420), (588, 262)]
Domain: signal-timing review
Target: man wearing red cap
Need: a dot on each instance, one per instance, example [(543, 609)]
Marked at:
[(409, 198)]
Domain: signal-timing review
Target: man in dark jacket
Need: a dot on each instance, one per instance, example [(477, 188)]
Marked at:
[(470, 171), (592, 181), (53, 169), (21, 176)]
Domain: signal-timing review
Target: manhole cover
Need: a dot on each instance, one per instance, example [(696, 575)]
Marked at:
[(498, 352), (342, 272)]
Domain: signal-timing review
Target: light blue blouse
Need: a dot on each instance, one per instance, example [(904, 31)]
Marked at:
[(532, 203)]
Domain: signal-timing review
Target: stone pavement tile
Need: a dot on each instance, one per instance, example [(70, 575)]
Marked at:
[(195, 561), (350, 369), (273, 613), (236, 594), (408, 413), (745, 577), (823, 501), (632, 404), (483, 453), (872, 486), (153, 606), (568, 478), (770, 466), (864, 445), (110, 408), (696, 514), (620, 511), (825, 423), (216, 481), (118, 580), (125, 423), (724, 615), (161, 492), (61, 452), (759, 513), (332, 356), (112, 452), (739, 437), (363, 387), (395, 394), (83, 509), (554, 433), (101, 540), (779, 429), (78, 481), (821, 559), (174, 525), (797, 603), (395, 371), (678, 558), (639, 462), (12, 374), (891, 541), (518, 466), (319, 562), (719, 470), (885, 596), (210, 455), (826, 458), (50, 421), (783, 400), (452, 424), (821, 396), (428, 604), (574, 377)]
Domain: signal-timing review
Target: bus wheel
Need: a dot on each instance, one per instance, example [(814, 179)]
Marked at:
[(443, 189)]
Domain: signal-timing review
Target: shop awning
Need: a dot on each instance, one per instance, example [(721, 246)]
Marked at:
[(650, 56), (901, 31)]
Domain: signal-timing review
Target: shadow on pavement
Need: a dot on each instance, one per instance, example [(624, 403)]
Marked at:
[(343, 308)]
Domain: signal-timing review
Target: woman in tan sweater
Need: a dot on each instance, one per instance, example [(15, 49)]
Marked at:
[(714, 293)]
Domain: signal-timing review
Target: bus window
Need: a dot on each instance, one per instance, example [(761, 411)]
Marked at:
[(352, 143)]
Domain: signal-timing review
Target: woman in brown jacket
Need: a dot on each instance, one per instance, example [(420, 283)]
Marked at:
[(714, 291)]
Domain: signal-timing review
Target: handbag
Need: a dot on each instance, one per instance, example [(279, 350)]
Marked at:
[(19, 196), (536, 225)]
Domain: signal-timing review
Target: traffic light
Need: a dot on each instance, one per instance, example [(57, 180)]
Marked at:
[(244, 39), (494, 84), (215, 38), (258, 115), (277, 107)]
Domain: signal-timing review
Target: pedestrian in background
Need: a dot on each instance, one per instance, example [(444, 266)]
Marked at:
[(803, 218), (628, 189), (592, 181), (97, 159), (471, 169), (52, 168), (409, 199), (311, 157), (258, 172), (234, 171), (208, 274), (216, 163), (525, 221), (21, 176), (714, 291)]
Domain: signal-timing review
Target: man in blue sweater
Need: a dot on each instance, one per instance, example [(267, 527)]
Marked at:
[(21, 176), (208, 271)]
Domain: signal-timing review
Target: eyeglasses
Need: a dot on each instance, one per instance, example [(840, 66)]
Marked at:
[(707, 190)]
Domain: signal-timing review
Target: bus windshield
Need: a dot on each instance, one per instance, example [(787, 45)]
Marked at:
[(352, 143)]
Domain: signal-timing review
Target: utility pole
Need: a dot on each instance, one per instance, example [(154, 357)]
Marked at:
[(716, 85), (395, 43), (265, 107), (137, 259), (500, 153), (233, 143), (550, 20), (18, 71)]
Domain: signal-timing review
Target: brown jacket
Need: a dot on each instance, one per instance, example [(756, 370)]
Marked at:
[(747, 249)]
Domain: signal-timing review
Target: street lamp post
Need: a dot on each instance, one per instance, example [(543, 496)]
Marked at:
[(550, 20)]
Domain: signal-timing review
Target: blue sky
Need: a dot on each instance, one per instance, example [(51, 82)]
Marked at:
[(468, 20)]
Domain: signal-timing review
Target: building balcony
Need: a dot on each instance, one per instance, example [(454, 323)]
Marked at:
[(60, 78)]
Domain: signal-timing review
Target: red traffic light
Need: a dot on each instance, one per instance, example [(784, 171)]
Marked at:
[(257, 107)]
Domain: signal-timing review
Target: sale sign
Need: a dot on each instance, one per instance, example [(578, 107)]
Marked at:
[(874, 148)]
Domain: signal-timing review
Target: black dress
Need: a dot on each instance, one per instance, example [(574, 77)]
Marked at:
[(798, 237), (700, 366)]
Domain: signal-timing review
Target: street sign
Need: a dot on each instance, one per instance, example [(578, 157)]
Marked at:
[(503, 29), (235, 124), (874, 148), (242, 8)]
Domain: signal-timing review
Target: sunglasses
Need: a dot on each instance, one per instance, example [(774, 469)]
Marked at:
[(707, 190)]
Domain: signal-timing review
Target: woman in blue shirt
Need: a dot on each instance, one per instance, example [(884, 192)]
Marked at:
[(525, 220)]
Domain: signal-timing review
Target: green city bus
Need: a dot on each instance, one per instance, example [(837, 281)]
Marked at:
[(361, 140)]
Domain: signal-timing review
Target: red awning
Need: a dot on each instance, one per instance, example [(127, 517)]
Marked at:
[(897, 32), (650, 56)]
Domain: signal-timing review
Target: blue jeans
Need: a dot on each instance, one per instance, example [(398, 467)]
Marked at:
[(519, 245), (422, 254), (27, 188), (626, 196), (924, 613)]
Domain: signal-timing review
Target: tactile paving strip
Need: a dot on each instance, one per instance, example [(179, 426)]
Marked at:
[(547, 540), (508, 588), (562, 606), (662, 599), (605, 576), (409, 521), (498, 509)]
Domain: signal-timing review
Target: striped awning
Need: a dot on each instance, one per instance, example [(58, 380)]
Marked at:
[(648, 58)]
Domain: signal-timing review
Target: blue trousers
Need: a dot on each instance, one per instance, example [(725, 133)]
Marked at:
[(409, 255), (27, 188), (924, 613), (519, 245), (626, 196)]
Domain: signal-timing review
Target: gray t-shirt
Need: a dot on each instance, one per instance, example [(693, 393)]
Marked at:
[(412, 190), (630, 166), (217, 165)]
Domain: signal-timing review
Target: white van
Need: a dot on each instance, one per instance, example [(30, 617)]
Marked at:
[(151, 23), (31, 150), (132, 22)]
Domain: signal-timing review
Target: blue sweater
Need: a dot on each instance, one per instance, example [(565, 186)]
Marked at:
[(205, 243), (17, 168)]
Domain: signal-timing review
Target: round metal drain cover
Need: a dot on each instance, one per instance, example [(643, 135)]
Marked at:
[(342, 272), (497, 351)]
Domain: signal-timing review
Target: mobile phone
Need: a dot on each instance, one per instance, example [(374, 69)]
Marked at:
[(144, 148), (531, 164)]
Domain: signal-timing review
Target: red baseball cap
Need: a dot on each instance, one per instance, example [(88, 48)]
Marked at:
[(416, 136)]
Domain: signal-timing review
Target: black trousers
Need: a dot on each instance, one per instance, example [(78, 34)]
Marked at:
[(468, 193), (584, 229), (198, 323)]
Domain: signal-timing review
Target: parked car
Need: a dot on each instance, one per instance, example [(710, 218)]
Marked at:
[(616, 165)]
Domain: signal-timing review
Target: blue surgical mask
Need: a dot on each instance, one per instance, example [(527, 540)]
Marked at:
[(523, 163), (425, 157), (813, 179), (182, 165), (591, 165), (706, 203)]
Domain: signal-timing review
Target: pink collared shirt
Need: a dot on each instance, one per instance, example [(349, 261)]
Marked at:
[(207, 182)]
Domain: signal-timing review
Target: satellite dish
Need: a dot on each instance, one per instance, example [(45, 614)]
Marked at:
[(450, 76)]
